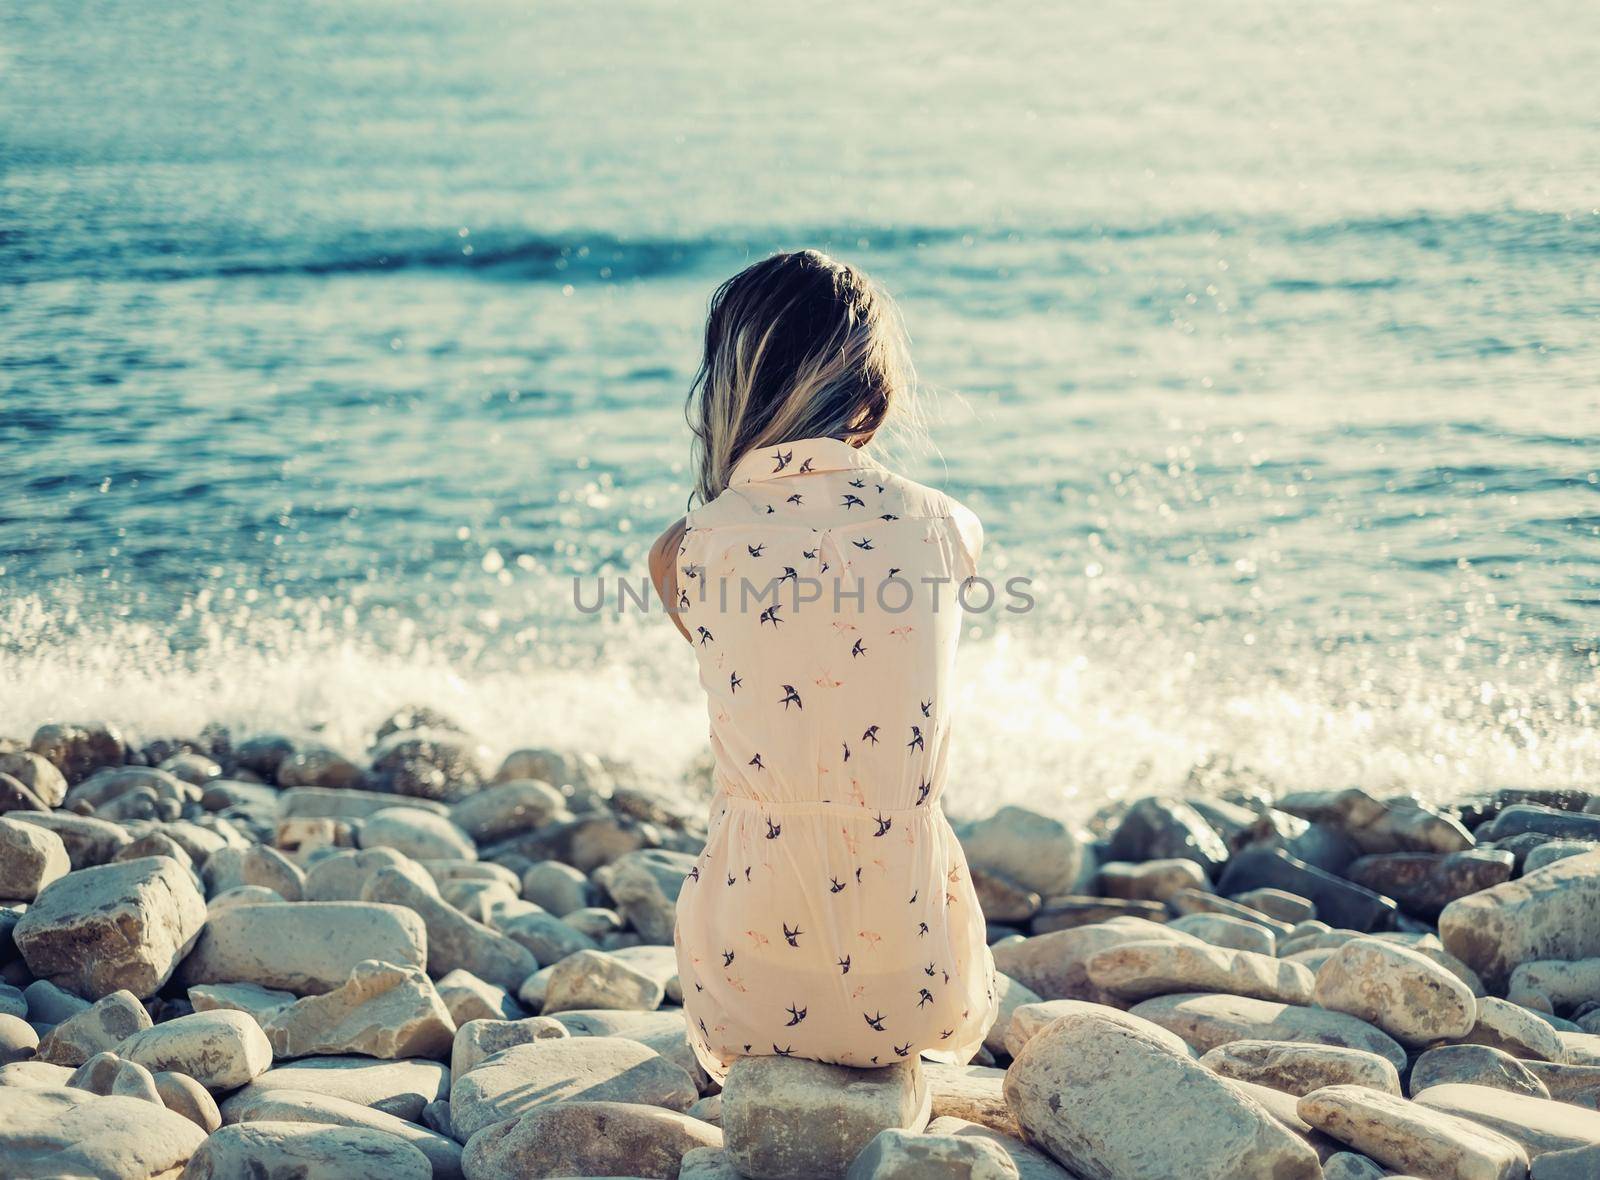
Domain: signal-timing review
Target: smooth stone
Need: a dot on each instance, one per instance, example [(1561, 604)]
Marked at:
[(49, 1004), (1504, 1025), (1551, 914), (1338, 901), (341, 876), (306, 948), (1009, 996), (1409, 1137), (1377, 825), (1028, 1163), (1547, 821), (305, 1151), (660, 963), (30, 858), (1551, 984), (479, 1039), (645, 885), (400, 1088), (1151, 880), (260, 1002), (1000, 900), (419, 834), (34, 1075), (1283, 1107), (319, 766), (339, 803), (707, 1163), (1548, 854), (787, 1118), (1278, 903), (1475, 1065), (594, 1069), (1579, 1048), (1031, 1019), (1224, 930), (973, 1093), (381, 1011), (896, 1154), (547, 938), (89, 842), (594, 979), (507, 808), (107, 1074), (18, 1040), (118, 926), (242, 895), (12, 1001), (1054, 965), (453, 939), (1068, 911), (1206, 1021), (470, 998), (1425, 882), (1034, 852), (1202, 901), (16, 796), (1113, 1072), (230, 868), (1406, 994), (97, 1029), (47, 1134), (38, 775), (1577, 1084), (1299, 1069), (304, 1106), (1161, 828), (1139, 970), (182, 1095), (1537, 1124), (1347, 1165), (587, 1138), (556, 887), (220, 1050), (1578, 1163)]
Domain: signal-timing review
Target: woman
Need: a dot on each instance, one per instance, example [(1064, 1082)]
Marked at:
[(830, 915)]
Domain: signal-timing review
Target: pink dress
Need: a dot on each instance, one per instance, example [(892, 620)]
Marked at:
[(830, 915)]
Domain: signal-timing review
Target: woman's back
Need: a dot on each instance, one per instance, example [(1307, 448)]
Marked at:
[(830, 915)]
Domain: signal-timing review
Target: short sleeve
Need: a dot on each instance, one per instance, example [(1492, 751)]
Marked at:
[(969, 531)]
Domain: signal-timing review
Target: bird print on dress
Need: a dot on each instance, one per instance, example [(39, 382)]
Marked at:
[(826, 780)]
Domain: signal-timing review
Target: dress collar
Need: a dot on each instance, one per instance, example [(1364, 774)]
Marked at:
[(803, 456)]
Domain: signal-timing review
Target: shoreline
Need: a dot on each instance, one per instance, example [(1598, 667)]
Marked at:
[(419, 962)]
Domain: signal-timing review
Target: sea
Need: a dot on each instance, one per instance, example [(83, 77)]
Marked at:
[(344, 347)]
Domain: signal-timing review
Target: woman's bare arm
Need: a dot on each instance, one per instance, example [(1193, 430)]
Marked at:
[(664, 571)]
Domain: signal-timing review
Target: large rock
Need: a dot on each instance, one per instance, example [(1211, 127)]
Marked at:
[(97, 1029), (479, 1039), (1504, 1025), (592, 1069), (48, 1134), (342, 876), (1407, 995), (1150, 880), (181, 1094), (454, 940), (904, 1155), (1299, 1069), (1551, 914), (1206, 1021), (305, 1151), (108, 1074), (308, 948), (645, 886), (1552, 986), (1029, 1164), (1029, 1020), (400, 1088), (1338, 901), (1088, 1090), (557, 887), (1139, 970), (79, 749), (1033, 851), (1068, 910), (587, 1138), (89, 841), (1537, 1124), (1009, 996), (1412, 1139), (381, 1011), (1475, 1065), (114, 927), (786, 1118), (1158, 828), (330, 803), (220, 1050), (1578, 1163), (508, 808), (1425, 882), (18, 1040), (470, 998), (230, 868), (594, 979), (30, 858), (1054, 966), (37, 776), (1225, 930), (303, 1106), (972, 1093), (419, 834)]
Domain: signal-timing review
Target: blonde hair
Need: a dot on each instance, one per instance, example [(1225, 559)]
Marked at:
[(798, 345)]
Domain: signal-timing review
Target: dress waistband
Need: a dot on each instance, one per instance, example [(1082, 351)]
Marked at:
[(823, 807)]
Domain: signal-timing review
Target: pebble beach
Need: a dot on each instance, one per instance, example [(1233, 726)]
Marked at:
[(227, 955)]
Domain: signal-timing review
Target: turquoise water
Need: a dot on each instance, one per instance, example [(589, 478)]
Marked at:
[(335, 340)]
